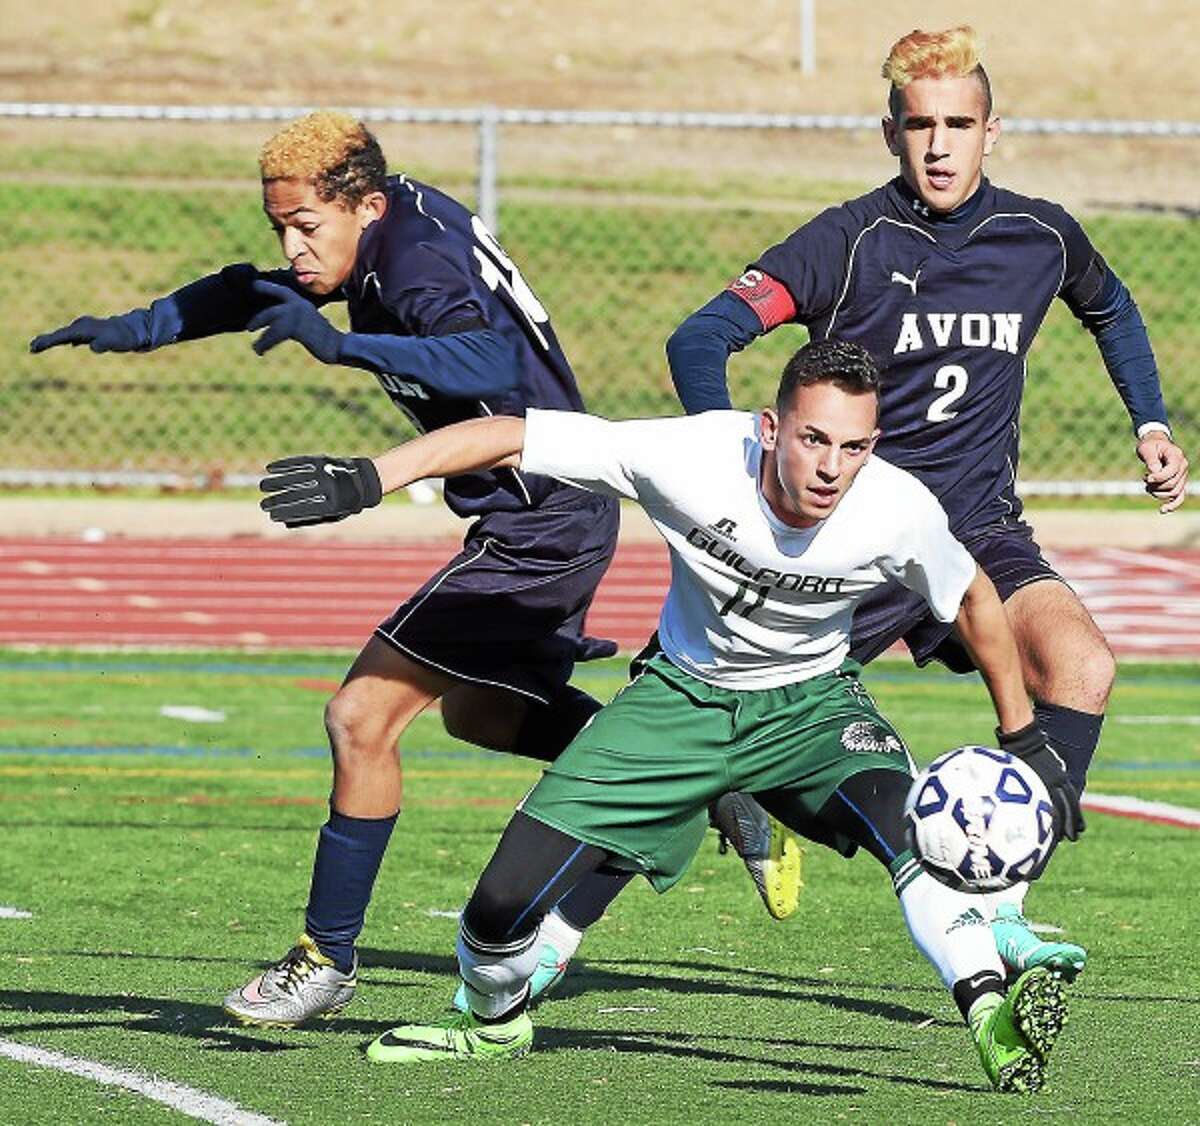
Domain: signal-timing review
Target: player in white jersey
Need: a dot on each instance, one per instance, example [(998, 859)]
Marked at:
[(777, 525)]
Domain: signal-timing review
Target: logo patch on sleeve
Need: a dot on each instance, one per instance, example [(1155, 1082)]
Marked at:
[(769, 298)]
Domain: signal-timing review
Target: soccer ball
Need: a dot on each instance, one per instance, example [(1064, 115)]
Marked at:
[(979, 820)]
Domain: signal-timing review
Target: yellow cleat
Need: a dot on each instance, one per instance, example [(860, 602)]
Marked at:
[(768, 848)]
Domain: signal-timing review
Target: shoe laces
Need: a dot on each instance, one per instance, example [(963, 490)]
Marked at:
[(294, 968)]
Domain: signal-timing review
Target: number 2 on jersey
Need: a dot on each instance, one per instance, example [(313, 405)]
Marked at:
[(744, 601), (954, 377)]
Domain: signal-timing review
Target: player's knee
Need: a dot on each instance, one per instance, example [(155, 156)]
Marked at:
[(1097, 671), (495, 910), (1080, 676), (355, 730)]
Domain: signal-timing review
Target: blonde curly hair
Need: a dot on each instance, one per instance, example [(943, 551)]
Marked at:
[(953, 53), (334, 152)]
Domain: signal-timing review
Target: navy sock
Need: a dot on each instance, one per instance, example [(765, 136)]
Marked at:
[(349, 852), (1073, 734)]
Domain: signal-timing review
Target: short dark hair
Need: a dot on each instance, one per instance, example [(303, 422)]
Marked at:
[(845, 365)]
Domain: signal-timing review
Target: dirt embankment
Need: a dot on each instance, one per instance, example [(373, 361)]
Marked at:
[(1108, 58)]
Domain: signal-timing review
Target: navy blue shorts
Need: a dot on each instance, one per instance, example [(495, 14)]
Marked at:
[(1006, 553), (508, 609)]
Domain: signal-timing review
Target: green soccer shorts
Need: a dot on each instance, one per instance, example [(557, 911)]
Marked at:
[(638, 779)]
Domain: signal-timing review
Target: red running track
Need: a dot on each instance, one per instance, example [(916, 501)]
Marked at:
[(266, 593)]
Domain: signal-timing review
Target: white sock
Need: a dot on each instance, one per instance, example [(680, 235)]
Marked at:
[(496, 977), (557, 932), (1014, 895), (950, 929)]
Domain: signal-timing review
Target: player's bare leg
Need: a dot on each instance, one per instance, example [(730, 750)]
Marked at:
[(1069, 671), (382, 693), (1064, 656)]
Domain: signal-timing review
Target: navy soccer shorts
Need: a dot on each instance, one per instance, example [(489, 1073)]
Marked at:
[(1006, 553), (508, 610)]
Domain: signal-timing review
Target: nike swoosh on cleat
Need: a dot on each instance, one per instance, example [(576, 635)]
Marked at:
[(390, 1041)]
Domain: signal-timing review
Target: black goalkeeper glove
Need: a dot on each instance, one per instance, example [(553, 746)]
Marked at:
[(318, 489), (1030, 744), (101, 334)]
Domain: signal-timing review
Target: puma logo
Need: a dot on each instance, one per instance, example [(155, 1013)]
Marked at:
[(331, 469), (897, 276)]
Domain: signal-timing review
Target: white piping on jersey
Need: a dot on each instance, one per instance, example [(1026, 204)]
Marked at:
[(515, 471), (372, 277), (971, 235), (432, 218), (1032, 218), (854, 250), (391, 640)]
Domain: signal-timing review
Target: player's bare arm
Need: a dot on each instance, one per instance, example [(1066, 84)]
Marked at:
[(983, 627), (318, 489), (478, 443)]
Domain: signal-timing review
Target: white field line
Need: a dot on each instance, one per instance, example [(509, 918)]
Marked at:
[(186, 1100), (1151, 561), (1159, 812), (1157, 720), (14, 913)]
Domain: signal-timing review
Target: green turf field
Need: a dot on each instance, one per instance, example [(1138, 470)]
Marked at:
[(163, 860)]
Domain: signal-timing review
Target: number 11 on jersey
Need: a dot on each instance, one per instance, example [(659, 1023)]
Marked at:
[(744, 601)]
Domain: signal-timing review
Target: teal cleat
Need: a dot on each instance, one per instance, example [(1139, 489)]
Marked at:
[(1021, 949), (550, 970), (461, 1037), (1014, 1034)]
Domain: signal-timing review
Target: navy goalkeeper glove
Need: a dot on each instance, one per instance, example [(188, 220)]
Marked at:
[(125, 333), (318, 489), (292, 317), (1030, 745)]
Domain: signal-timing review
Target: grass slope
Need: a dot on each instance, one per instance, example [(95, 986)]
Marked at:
[(618, 277)]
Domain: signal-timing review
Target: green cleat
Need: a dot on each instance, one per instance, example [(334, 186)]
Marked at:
[(461, 1037), (1021, 949), (551, 968), (1014, 1034)]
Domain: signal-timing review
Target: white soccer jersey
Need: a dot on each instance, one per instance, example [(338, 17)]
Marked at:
[(753, 602)]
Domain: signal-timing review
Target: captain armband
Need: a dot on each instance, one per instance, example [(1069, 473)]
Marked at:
[(769, 298)]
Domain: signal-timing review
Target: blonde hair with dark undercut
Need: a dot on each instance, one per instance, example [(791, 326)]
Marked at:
[(334, 152), (953, 53)]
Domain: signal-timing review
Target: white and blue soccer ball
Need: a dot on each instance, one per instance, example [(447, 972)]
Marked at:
[(979, 819)]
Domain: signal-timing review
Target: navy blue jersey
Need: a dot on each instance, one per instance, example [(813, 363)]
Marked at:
[(948, 309), (431, 268), (438, 312)]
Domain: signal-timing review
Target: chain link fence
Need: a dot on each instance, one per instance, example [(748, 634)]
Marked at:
[(623, 223)]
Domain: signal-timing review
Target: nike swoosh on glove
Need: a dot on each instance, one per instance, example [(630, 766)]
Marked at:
[(319, 489)]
